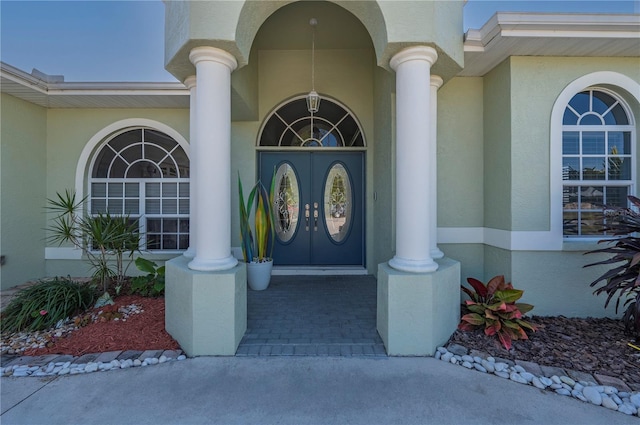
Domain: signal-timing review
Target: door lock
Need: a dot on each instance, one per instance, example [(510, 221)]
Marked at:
[(315, 216), (306, 216)]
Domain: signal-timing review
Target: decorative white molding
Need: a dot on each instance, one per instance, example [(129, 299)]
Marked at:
[(504, 239), (61, 253)]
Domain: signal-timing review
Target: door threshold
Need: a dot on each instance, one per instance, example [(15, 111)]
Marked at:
[(318, 270)]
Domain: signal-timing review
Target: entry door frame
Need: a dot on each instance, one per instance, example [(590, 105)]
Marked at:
[(355, 163)]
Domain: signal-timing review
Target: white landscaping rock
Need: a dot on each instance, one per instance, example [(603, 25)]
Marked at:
[(593, 395), (537, 383), (516, 377), (479, 368), (609, 403), (635, 399), (568, 381)]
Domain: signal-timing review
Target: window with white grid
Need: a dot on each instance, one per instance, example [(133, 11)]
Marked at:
[(598, 160), (144, 173)]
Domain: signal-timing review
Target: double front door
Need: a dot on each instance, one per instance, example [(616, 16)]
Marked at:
[(319, 207)]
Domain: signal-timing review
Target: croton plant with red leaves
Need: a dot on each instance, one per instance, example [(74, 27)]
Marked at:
[(493, 307)]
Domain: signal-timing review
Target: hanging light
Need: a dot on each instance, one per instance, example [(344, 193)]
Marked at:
[(313, 99)]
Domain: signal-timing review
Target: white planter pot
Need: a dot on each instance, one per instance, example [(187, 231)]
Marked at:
[(259, 275)]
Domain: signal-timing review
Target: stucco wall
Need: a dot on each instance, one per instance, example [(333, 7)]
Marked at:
[(497, 147), (460, 153), (23, 188), (557, 283), (384, 164)]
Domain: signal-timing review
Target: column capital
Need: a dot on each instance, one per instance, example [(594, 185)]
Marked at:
[(423, 53), (190, 81), (436, 81), (213, 54)]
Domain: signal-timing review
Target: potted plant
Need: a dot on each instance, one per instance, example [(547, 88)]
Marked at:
[(257, 243)]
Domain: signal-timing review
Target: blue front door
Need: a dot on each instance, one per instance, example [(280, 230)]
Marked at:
[(319, 207)]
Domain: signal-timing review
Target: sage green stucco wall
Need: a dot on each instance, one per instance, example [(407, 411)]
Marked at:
[(536, 83), (384, 166), (67, 133), (23, 180), (497, 147), (556, 283), (470, 256), (460, 153), (392, 25)]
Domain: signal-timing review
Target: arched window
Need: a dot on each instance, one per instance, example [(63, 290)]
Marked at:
[(292, 125), (144, 173), (598, 160)]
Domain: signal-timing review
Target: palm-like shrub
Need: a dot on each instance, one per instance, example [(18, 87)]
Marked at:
[(622, 280), (493, 307), (101, 237), (42, 305)]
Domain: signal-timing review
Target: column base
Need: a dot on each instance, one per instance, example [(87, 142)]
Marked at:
[(436, 254), (219, 264), (413, 266), (205, 312), (416, 313), (190, 252)]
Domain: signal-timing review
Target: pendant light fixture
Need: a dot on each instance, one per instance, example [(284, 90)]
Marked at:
[(313, 99)]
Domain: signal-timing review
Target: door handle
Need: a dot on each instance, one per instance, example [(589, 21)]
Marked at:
[(315, 216), (306, 216)]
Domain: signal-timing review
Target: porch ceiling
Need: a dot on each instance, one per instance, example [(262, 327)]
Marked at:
[(540, 34), (289, 28)]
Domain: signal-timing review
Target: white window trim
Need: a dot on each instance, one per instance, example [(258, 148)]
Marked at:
[(100, 138), (555, 158), (85, 162)]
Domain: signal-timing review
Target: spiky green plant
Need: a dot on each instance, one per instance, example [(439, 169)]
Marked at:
[(42, 305), (623, 279), (257, 243), (101, 237)]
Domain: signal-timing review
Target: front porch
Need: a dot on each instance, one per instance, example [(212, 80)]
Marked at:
[(313, 316)]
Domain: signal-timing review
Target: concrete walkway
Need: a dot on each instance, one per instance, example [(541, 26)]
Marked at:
[(293, 390)]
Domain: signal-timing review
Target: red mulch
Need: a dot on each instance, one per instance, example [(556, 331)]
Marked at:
[(143, 331)]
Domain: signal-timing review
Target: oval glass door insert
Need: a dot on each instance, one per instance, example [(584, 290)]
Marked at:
[(286, 202), (337, 202)]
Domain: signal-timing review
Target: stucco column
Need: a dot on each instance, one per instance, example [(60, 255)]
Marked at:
[(413, 173), (213, 159), (436, 83), (190, 82)]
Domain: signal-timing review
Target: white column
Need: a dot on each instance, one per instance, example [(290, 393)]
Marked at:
[(190, 82), (436, 82), (413, 174), (213, 159)]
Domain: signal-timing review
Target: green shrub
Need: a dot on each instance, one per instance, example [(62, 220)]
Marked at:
[(493, 307), (101, 237), (151, 284), (42, 305)]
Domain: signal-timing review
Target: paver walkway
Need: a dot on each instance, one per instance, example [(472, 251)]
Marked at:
[(313, 316)]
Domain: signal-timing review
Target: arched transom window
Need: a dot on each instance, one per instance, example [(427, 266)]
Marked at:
[(292, 125), (144, 173), (598, 160)]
